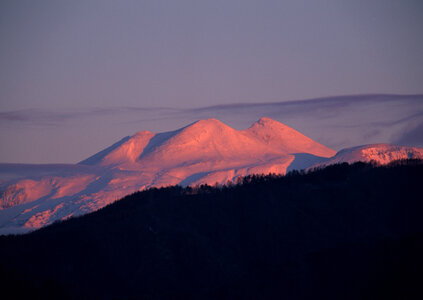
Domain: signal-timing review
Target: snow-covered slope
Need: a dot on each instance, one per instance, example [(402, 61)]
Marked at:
[(206, 151), (379, 153), (207, 140)]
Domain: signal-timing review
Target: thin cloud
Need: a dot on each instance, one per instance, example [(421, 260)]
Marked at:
[(38, 117), (337, 122), (411, 137), (324, 105)]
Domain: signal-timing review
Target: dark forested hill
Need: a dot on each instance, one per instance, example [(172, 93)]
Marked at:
[(342, 232)]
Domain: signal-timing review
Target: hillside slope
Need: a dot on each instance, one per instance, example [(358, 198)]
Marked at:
[(343, 232), (206, 151)]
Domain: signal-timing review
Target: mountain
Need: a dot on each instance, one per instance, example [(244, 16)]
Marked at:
[(209, 140), (380, 153), (204, 152)]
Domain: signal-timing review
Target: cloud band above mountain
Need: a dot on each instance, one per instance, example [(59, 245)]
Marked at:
[(337, 122)]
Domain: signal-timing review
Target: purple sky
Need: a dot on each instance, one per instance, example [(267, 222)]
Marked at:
[(70, 71)]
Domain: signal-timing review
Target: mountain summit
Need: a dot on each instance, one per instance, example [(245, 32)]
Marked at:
[(205, 141), (206, 151), (283, 138)]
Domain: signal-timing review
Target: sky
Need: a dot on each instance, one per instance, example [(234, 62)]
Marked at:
[(76, 76)]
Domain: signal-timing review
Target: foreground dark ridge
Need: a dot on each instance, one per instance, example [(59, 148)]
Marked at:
[(343, 232)]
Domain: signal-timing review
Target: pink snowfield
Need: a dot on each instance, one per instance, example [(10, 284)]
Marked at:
[(379, 153), (206, 151), (212, 144)]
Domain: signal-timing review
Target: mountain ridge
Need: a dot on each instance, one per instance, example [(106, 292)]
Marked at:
[(210, 136), (380, 153), (203, 152)]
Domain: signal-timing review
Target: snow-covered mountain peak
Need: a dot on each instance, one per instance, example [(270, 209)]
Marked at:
[(266, 121), (204, 141), (126, 150), (280, 136), (202, 127), (206, 151), (142, 133), (207, 123)]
